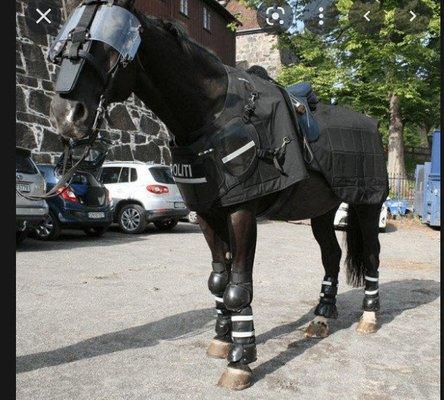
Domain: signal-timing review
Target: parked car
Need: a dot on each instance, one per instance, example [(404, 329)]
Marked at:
[(143, 193), (342, 214), (192, 217), (85, 204), (29, 181)]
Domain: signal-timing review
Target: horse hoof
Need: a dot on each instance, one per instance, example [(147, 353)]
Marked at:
[(317, 330), (366, 327), (236, 377), (218, 349)]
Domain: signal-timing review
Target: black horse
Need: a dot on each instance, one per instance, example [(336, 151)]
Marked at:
[(185, 85)]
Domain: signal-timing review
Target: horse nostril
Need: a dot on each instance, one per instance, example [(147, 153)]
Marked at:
[(80, 112)]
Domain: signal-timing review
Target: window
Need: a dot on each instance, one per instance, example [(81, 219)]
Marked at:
[(133, 175), (24, 164), (206, 19), (162, 175), (110, 175), (124, 175), (184, 7)]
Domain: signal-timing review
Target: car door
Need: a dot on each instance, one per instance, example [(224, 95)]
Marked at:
[(110, 178)]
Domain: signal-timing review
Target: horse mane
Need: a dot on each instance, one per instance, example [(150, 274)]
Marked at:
[(179, 32)]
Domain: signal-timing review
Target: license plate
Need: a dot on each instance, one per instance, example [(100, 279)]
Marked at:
[(179, 204), (23, 187), (96, 215)]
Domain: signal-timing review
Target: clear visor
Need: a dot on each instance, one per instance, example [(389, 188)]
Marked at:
[(112, 25)]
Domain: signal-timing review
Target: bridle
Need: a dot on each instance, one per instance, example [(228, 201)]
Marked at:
[(71, 50)]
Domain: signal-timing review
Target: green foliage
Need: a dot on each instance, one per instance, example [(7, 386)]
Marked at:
[(360, 64)]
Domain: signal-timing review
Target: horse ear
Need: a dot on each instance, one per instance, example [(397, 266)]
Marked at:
[(172, 28)]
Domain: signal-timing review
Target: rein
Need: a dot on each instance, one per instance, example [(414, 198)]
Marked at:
[(71, 50), (67, 175)]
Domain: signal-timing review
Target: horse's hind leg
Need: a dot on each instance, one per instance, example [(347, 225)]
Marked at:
[(217, 282), (368, 218), (324, 233)]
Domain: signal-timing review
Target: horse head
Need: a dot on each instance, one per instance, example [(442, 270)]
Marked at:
[(107, 50)]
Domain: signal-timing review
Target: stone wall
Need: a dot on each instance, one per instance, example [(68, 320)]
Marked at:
[(258, 48), (138, 134)]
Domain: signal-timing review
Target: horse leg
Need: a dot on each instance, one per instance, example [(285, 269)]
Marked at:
[(324, 233), (238, 296), (368, 217), (217, 283)]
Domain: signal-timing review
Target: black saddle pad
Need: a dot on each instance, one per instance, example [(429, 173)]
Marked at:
[(350, 154)]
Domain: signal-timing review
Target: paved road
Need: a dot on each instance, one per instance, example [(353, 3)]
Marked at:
[(129, 317)]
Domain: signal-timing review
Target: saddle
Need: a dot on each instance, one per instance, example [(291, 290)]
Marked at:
[(304, 101)]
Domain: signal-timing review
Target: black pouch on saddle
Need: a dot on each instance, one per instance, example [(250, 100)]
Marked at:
[(209, 168)]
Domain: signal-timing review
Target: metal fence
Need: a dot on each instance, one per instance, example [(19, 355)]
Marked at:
[(402, 187)]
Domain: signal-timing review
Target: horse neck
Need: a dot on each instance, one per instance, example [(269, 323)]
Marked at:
[(185, 89)]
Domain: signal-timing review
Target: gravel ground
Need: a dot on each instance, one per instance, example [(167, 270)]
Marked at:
[(129, 317)]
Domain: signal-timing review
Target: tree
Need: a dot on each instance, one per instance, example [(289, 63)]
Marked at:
[(389, 68)]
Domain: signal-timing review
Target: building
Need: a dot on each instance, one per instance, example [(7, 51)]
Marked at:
[(255, 45), (138, 133)]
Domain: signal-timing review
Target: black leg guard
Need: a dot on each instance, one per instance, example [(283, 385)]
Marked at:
[(371, 297), (237, 299), (217, 282), (327, 302)]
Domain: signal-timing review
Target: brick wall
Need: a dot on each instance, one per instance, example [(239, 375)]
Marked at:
[(139, 135)]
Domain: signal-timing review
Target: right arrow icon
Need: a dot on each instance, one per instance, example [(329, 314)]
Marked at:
[(413, 16)]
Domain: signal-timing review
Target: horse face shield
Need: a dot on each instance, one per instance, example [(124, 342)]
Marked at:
[(93, 21)]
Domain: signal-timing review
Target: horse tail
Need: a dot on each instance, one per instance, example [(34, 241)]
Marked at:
[(355, 250)]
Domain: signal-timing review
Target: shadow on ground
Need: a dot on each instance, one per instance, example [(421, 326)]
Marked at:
[(408, 294), (189, 323)]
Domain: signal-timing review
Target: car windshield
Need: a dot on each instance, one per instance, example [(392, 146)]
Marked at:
[(162, 175), (24, 165)]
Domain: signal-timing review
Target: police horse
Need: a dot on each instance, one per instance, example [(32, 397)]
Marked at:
[(237, 154)]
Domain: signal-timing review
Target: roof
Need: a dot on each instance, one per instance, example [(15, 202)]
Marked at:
[(219, 8), (248, 16)]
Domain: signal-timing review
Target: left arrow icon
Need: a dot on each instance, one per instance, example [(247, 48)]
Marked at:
[(366, 16)]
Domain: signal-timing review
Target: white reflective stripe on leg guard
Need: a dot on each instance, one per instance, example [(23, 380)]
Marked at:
[(236, 318), (370, 292), (327, 283), (242, 334), (218, 311), (219, 299), (321, 294), (238, 152), (371, 279)]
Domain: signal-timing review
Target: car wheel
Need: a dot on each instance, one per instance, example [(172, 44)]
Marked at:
[(132, 219), (95, 231), (192, 217), (49, 229), (166, 224), (20, 236)]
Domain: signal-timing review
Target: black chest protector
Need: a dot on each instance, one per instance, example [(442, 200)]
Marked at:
[(250, 150)]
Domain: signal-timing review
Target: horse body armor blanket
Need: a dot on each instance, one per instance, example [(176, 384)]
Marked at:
[(350, 155), (250, 150)]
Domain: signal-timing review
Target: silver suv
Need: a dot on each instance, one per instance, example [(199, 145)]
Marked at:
[(29, 181), (143, 193)]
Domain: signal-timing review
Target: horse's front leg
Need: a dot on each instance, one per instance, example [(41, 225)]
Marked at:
[(238, 296), (215, 231), (324, 233)]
